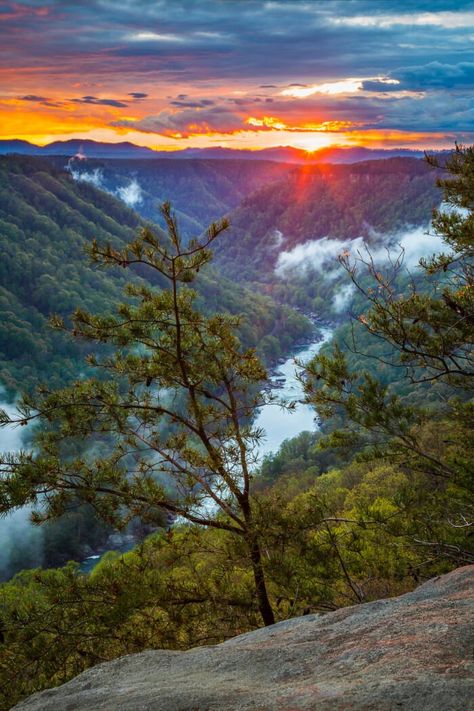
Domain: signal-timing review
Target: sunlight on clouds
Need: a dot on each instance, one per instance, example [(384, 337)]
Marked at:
[(272, 122), (446, 20), (266, 122), (346, 86), (153, 37)]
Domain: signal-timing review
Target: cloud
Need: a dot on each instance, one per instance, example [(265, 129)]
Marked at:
[(301, 91), (17, 532), (415, 242), (130, 194), (99, 102), (321, 256), (444, 19), (16, 529), (318, 256), (189, 121), (362, 45), (437, 75), (152, 37), (94, 177), (199, 104), (34, 97)]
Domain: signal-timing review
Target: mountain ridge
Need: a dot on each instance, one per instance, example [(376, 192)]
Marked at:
[(281, 154)]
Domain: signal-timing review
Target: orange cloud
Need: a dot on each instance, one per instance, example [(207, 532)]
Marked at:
[(270, 122)]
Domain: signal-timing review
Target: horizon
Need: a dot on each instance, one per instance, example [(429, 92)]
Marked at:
[(178, 149), (245, 75)]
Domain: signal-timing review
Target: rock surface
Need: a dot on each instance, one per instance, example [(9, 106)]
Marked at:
[(411, 653)]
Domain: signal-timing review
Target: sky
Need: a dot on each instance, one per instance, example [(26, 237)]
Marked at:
[(172, 74)]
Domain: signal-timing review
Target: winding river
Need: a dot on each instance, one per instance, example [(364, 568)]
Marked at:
[(280, 424)]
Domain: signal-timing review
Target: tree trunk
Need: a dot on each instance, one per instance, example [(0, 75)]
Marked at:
[(260, 586)]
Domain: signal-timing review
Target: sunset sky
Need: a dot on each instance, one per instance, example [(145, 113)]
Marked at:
[(242, 74)]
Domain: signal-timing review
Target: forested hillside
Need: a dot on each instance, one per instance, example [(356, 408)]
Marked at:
[(46, 219), (376, 503), (200, 190), (335, 201)]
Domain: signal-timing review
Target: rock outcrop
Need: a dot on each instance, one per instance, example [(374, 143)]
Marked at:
[(410, 653)]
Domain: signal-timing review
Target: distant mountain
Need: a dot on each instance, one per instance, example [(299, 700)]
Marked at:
[(74, 146), (18, 146), (281, 154), (287, 154)]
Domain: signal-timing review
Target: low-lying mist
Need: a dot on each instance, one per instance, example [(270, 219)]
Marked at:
[(319, 258), (19, 539), (130, 194)]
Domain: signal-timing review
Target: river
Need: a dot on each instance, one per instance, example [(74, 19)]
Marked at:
[(280, 424)]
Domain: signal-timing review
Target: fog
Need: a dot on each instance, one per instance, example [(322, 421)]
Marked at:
[(95, 177), (343, 298), (317, 256), (130, 194), (320, 257), (16, 530)]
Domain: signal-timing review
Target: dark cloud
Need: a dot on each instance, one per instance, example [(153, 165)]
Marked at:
[(201, 103), (33, 97), (379, 85), (41, 100), (137, 95), (99, 102), (437, 75), (294, 42)]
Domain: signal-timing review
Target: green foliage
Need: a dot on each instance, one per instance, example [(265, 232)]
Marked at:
[(46, 221), (340, 201), (353, 534), (201, 190), (428, 336), (380, 502), (173, 410)]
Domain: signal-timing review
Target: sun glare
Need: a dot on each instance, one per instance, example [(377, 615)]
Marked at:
[(314, 142)]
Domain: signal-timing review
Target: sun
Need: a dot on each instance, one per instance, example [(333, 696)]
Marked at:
[(314, 142)]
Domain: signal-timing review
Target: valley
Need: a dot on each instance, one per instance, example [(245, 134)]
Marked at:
[(236, 354)]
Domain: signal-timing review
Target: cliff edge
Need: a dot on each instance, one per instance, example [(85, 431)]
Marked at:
[(410, 653)]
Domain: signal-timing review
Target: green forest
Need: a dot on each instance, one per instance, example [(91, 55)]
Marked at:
[(336, 201), (46, 220), (159, 426)]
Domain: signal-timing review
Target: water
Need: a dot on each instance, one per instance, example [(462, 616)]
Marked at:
[(280, 424)]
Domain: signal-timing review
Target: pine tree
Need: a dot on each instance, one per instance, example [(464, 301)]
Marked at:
[(168, 428), (428, 333)]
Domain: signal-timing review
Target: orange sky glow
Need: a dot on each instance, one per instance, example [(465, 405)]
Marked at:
[(240, 75)]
